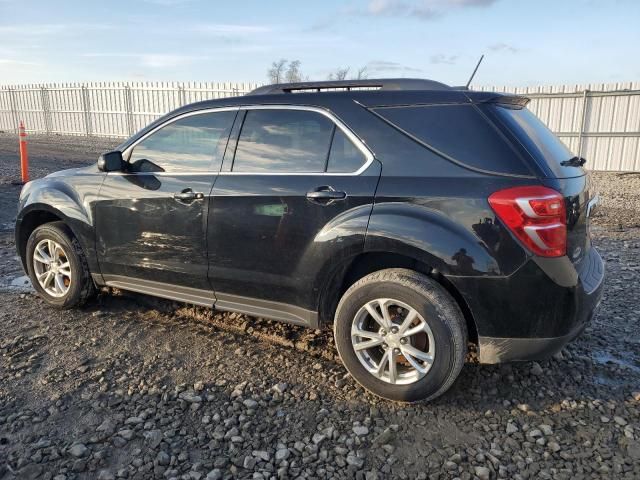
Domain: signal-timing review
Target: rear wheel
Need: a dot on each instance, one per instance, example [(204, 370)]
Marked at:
[(401, 335), (57, 266)]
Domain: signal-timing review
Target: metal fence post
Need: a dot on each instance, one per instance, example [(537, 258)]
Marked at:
[(129, 108), (581, 132), (85, 107), (46, 110), (14, 108), (182, 95)]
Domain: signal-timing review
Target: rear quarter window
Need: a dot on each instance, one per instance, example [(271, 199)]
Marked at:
[(460, 132)]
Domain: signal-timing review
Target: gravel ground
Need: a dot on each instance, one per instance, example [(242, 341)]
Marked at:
[(136, 387)]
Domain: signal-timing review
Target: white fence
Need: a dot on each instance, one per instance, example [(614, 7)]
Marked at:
[(112, 109), (600, 122)]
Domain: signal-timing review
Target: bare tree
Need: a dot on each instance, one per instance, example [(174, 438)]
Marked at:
[(343, 74), (277, 71), (293, 72), (339, 74), (362, 73), (284, 70)]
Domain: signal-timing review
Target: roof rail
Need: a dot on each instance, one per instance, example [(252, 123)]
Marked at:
[(350, 85)]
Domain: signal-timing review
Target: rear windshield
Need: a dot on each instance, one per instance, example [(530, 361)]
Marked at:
[(461, 132), (539, 141)]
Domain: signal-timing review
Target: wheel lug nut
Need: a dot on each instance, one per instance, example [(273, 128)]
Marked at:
[(384, 345), (396, 351), (394, 330), (403, 341), (383, 332)]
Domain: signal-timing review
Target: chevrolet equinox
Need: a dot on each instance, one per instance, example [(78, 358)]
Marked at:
[(414, 217)]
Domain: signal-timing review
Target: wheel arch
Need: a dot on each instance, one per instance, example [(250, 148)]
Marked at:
[(37, 214), (371, 261)]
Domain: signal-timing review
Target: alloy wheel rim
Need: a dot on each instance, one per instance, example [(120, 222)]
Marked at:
[(393, 341), (52, 268)]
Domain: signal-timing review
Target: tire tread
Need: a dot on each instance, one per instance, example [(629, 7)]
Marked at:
[(88, 288), (452, 316)]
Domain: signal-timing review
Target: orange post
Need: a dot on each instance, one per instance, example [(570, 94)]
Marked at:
[(24, 155)]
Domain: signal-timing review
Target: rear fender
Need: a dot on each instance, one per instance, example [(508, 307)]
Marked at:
[(430, 237)]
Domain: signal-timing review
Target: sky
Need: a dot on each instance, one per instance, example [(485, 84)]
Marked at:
[(525, 42)]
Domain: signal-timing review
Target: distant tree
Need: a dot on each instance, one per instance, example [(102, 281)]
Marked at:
[(284, 70), (343, 74), (293, 72), (339, 74), (277, 71)]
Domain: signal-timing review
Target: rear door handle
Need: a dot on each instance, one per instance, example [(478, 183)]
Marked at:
[(188, 195), (325, 195)]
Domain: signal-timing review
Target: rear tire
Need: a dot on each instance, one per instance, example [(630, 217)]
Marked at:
[(382, 353), (65, 281)]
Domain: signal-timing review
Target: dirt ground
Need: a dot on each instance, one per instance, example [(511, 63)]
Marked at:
[(136, 387)]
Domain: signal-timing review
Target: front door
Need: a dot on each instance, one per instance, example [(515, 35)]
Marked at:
[(151, 219), (297, 194)]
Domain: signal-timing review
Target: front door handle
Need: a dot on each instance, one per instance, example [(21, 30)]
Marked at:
[(188, 195), (325, 195)]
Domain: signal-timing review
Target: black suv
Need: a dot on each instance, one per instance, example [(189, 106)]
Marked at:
[(415, 217)]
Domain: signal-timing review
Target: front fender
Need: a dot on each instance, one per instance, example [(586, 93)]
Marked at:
[(55, 197)]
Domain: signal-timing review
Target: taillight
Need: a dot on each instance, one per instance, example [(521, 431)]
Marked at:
[(536, 215)]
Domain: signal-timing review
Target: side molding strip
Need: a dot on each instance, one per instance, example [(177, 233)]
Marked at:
[(163, 290), (233, 303), (267, 309)]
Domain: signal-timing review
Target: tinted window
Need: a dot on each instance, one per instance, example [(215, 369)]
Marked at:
[(194, 143), (283, 141), (539, 141), (344, 157), (459, 131)]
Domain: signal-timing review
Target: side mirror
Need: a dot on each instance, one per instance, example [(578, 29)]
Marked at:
[(110, 162)]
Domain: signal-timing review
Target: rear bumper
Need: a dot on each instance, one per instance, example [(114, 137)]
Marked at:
[(538, 310), (499, 350)]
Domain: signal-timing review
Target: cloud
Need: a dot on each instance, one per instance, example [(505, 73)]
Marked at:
[(169, 3), (503, 47), (230, 29), (12, 62), (441, 58), (152, 60), (471, 3), (383, 66), (48, 29), (420, 9)]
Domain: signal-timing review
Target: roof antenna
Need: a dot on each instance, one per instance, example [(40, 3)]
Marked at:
[(474, 71)]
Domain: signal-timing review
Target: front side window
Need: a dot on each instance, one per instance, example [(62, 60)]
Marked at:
[(191, 144), (293, 141)]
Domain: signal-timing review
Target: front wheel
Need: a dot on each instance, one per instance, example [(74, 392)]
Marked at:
[(401, 335), (57, 266)]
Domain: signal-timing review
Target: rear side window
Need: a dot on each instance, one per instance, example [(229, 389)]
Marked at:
[(191, 144), (344, 157), (539, 141), (295, 141), (460, 132)]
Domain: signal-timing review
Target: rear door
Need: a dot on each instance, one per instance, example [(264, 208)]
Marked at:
[(151, 219), (289, 185)]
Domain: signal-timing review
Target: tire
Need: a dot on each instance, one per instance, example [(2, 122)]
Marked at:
[(79, 285), (442, 335)]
